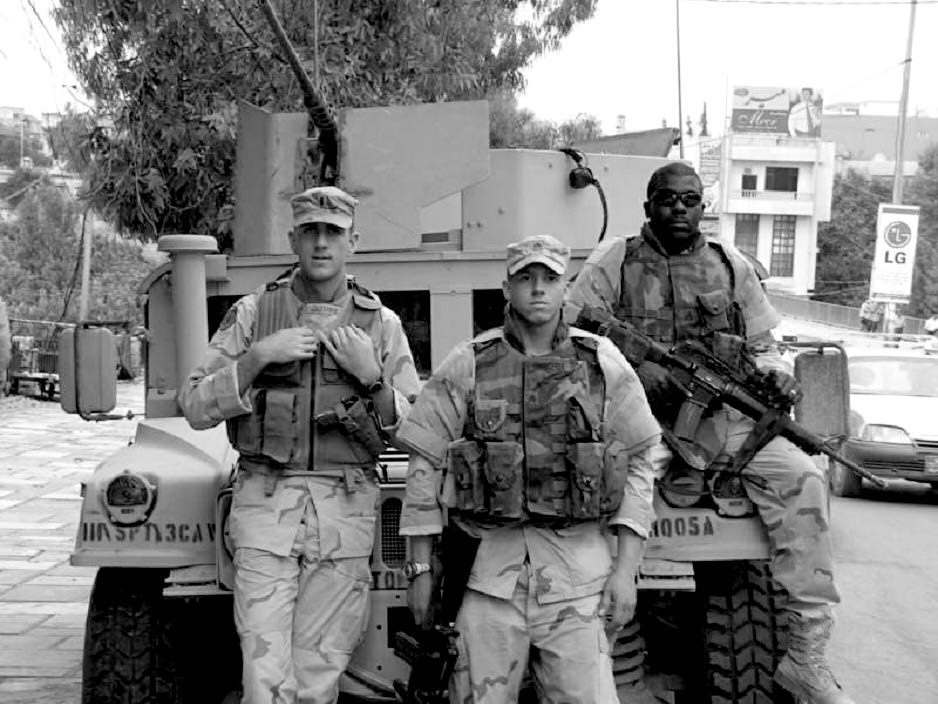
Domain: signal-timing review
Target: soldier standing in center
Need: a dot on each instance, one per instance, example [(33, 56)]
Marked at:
[(533, 436)]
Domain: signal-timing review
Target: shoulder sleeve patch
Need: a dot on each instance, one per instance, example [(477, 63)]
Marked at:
[(230, 318)]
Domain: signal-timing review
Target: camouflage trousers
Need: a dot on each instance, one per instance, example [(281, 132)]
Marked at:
[(791, 495), (564, 644), (299, 619)]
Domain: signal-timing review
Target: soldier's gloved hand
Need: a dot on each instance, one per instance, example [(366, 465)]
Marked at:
[(782, 387), (355, 353), (286, 345), (419, 595), (658, 385)]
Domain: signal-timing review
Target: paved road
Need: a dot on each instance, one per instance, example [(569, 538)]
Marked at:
[(884, 649), (44, 456)]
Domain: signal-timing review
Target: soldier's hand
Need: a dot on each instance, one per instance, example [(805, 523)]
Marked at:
[(419, 594), (620, 596), (783, 387), (355, 353), (287, 345), (657, 382)]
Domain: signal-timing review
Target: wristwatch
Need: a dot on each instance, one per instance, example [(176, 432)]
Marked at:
[(412, 570), (375, 388)]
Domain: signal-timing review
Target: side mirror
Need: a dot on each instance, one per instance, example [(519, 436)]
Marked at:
[(87, 370)]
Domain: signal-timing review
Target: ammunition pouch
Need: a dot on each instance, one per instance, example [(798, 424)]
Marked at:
[(358, 418), (488, 478)]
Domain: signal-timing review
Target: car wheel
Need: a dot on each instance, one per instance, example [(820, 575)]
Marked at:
[(843, 481)]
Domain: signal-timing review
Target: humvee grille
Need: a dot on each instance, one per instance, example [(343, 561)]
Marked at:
[(393, 549)]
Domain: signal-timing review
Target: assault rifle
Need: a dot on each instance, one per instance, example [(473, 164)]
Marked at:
[(707, 383), (432, 654)]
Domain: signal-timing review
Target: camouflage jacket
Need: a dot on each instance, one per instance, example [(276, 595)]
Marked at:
[(211, 396), (567, 562), (599, 284), (5, 343)]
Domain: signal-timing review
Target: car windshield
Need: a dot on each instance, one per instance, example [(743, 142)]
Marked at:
[(895, 376)]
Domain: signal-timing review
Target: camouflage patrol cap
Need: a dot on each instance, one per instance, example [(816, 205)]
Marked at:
[(538, 249), (324, 204)]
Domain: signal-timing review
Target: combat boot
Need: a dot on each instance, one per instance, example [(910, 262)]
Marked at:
[(804, 671)]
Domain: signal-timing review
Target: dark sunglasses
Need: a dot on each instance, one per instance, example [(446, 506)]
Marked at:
[(669, 199)]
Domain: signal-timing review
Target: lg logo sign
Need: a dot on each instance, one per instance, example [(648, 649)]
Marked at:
[(897, 235)]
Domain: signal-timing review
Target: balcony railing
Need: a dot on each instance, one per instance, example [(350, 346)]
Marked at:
[(772, 195)]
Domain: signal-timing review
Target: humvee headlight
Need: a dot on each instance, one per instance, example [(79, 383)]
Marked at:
[(128, 499)]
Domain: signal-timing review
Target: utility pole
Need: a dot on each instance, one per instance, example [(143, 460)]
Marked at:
[(899, 177), (898, 180), (680, 107)]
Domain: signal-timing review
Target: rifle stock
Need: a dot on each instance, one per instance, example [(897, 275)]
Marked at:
[(708, 382)]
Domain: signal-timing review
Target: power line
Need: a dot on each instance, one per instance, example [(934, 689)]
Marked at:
[(818, 3)]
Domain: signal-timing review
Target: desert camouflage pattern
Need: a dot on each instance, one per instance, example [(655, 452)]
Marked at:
[(533, 443), (784, 484), (301, 615), (6, 344), (302, 532), (564, 643)]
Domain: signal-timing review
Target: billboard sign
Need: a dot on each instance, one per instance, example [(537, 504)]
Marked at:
[(894, 258), (773, 110)]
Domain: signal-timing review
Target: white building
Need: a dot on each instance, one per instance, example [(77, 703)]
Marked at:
[(776, 188)]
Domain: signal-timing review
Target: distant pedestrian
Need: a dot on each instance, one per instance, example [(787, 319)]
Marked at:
[(931, 325), (5, 346), (895, 319), (871, 313)]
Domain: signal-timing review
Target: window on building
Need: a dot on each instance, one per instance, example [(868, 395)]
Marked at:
[(747, 232), (750, 182), (781, 178), (783, 246), (413, 307)]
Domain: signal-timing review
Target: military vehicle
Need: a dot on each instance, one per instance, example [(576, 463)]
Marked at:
[(437, 209)]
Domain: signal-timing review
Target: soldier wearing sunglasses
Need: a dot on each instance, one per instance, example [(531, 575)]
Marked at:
[(675, 285)]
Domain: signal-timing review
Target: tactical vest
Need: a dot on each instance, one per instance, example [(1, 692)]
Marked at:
[(533, 448), (286, 398), (685, 297)]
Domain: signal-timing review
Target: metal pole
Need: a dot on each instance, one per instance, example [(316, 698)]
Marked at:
[(85, 295), (903, 107), (680, 106), (899, 177)]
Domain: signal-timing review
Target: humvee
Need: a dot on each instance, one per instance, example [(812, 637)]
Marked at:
[(437, 209)]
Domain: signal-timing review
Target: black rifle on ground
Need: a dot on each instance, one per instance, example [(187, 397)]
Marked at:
[(432, 653), (707, 383)]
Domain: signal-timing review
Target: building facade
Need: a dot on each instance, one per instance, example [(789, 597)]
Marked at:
[(775, 187)]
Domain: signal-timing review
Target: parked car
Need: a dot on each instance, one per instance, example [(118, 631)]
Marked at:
[(893, 417)]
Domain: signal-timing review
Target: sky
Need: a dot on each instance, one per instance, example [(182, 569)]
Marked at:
[(624, 60)]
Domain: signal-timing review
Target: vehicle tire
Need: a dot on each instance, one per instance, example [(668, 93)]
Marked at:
[(127, 654), (744, 633), (843, 481)]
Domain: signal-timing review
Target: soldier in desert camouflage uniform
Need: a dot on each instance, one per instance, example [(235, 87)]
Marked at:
[(5, 346), (286, 366), (533, 436), (673, 284)]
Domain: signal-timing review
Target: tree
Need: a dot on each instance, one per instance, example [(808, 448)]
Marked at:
[(73, 139), (39, 253), (32, 149), (15, 188), (511, 127), (846, 243), (168, 73), (580, 129), (923, 192)]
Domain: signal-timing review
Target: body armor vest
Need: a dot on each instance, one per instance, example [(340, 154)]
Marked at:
[(533, 443), (686, 297), (287, 398)]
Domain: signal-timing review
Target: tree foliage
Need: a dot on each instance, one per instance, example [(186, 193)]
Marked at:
[(923, 192), (846, 243), (31, 149), (168, 73), (39, 260), (513, 127)]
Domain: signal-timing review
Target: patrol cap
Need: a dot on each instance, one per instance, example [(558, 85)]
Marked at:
[(324, 204), (538, 249)]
